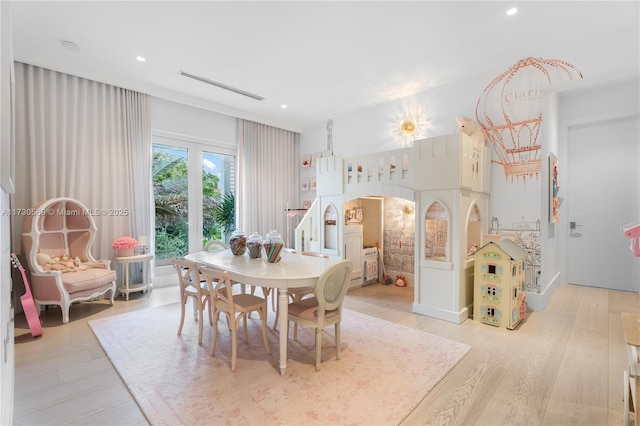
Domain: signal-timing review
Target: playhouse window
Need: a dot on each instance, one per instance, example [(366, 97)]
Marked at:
[(436, 232), (474, 230), (491, 268), (491, 311), (330, 227)]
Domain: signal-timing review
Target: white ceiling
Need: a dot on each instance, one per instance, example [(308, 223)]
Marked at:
[(322, 59)]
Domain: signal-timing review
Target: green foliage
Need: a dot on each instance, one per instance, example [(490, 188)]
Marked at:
[(225, 213), (170, 188), (171, 242)]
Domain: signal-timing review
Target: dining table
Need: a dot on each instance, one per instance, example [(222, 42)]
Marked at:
[(292, 271)]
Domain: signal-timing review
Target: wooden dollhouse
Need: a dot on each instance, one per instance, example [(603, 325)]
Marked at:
[(499, 277), (448, 179)]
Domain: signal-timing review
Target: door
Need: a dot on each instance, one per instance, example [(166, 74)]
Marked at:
[(353, 251), (190, 181), (603, 194)]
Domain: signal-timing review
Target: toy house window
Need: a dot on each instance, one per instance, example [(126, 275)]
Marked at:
[(491, 290), (436, 228), (491, 268), (515, 292), (513, 270), (491, 311)]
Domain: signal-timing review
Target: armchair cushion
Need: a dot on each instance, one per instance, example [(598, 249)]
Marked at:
[(87, 280)]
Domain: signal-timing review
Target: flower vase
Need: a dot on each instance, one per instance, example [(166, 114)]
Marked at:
[(125, 252)]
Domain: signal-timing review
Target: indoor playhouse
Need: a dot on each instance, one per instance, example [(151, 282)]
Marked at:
[(448, 180)]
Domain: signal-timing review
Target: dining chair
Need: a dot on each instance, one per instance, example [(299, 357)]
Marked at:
[(235, 307), (192, 288), (214, 245), (294, 294), (325, 308)]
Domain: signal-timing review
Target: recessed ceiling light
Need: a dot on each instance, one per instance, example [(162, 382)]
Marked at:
[(512, 11), (141, 58), (283, 106), (70, 46)]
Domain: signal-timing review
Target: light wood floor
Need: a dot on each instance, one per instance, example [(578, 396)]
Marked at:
[(562, 366)]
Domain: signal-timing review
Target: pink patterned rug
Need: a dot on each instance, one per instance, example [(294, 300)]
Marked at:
[(385, 370)]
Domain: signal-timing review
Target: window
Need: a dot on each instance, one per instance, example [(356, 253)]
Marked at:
[(436, 229), (190, 181)]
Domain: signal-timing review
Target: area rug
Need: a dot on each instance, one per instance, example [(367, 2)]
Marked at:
[(385, 370)]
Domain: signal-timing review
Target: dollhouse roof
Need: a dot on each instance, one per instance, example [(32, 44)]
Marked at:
[(509, 247)]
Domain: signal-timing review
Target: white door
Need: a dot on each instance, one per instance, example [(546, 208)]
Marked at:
[(603, 194)]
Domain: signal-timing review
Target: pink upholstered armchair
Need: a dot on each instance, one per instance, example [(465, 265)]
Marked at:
[(57, 240)]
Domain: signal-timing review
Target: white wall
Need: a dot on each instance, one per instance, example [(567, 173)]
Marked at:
[(177, 119)]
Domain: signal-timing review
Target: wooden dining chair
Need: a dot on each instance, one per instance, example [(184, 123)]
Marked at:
[(325, 308), (235, 307), (295, 294), (214, 245), (192, 288)]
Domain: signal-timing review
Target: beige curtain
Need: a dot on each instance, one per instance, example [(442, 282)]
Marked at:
[(85, 140), (268, 177)]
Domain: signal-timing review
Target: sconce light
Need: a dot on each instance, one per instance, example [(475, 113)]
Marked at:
[(408, 126)]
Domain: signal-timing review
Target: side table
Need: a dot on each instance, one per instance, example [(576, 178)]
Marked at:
[(146, 284)]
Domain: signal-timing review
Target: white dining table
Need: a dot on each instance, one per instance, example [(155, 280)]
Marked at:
[(293, 271)]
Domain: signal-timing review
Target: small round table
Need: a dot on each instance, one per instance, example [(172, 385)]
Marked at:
[(146, 284)]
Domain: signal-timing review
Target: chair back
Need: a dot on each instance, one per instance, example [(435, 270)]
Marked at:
[(332, 286), (188, 275), (219, 284), (215, 245), (64, 227)]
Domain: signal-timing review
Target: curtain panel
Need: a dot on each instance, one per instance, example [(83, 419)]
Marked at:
[(268, 178), (85, 140)]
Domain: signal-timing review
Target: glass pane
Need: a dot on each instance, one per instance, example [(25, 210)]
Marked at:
[(218, 203), (171, 207), (436, 233)]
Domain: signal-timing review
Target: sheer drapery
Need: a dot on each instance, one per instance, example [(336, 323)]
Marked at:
[(85, 140), (268, 177)]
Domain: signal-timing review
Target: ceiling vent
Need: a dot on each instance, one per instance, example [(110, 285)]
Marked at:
[(222, 86)]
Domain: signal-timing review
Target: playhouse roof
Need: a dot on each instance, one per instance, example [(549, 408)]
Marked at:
[(511, 248)]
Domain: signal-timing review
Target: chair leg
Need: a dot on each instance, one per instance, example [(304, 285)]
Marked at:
[(234, 345), (182, 306), (200, 320), (208, 303), (113, 293), (263, 319), (216, 316), (65, 313), (246, 333), (318, 348), (337, 326)]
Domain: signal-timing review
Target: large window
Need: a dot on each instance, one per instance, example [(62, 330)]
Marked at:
[(191, 182)]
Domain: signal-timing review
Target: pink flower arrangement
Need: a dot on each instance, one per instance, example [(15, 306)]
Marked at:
[(123, 243)]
